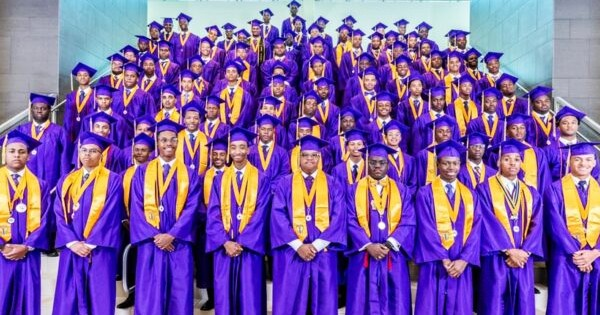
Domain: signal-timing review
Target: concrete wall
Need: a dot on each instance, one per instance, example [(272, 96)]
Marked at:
[(523, 30), (576, 64), (29, 52)]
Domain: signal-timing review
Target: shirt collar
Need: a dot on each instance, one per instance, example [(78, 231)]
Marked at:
[(243, 170), (269, 144), (352, 163), (163, 162), (314, 174), (473, 163), (195, 133), (508, 183), (576, 180), (567, 142), (453, 184), (20, 173)]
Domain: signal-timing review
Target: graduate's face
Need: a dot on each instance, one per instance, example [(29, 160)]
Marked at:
[(317, 48), (168, 100), (354, 147), (218, 158), (40, 112), (516, 131), (241, 37), (438, 103), (293, 10), (376, 42), (266, 133), (323, 91), (167, 144), (116, 67), (212, 34), (317, 68), (454, 64), (343, 36), (142, 46), (423, 32), (304, 131), (507, 87), (187, 84), (416, 88), (314, 32), (369, 82), (465, 88), (231, 74), (411, 42), (384, 108), (472, 61), (309, 160), (363, 64), (229, 33), (154, 33), (297, 25), (390, 40), (149, 67), (212, 111), (402, 69), (348, 123), (104, 102), (191, 120), (183, 24), (461, 42), (402, 29), (164, 52), (238, 151), (448, 167), (196, 67), (143, 128), (255, 30), (542, 104), (267, 109), (356, 41), (425, 49), (101, 128), (278, 89), (393, 138), (568, 126), (493, 65), (321, 24), (141, 153), (476, 151), (442, 133), (168, 27), (278, 50), (90, 155), (582, 165), (350, 24), (83, 78), (266, 17), (242, 53), (16, 155), (310, 106), (205, 49), (378, 167), (130, 56), (436, 61), (489, 104), (130, 79), (510, 165)]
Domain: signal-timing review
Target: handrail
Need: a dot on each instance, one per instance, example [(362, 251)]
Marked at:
[(22, 115)]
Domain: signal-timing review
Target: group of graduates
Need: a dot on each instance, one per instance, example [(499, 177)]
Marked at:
[(197, 159)]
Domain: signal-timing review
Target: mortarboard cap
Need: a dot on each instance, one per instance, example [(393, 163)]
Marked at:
[(117, 57), (379, 25), (104, 90), (323, 20), (355, 134), (401, 22), (322, 81), (170, 89), (371, 71), (399, 44), (278, 64), (437, 91), (569, 111), (215, 28), (83, 67), (242, 32), (317, 39), (491, 56), (455, 54), (129, 48), (472, 51), (266, 11), (164, 43), (392, 33), (517, 118), (384, 96), (193, 106), (101, 117), (412, 34), (241, 45), (155, 25), (142, 38), (403, 59), (395, 125), (97, 140), (538, 91), (278, 78), (269, 100), (311, 143), (40, 98), (444, 121), (509, 146), (449, 148), (254, 22), (313, 26), (504, 77), (582, 148), (376, 34), (491, 92), (378, 149), (213, 99), (234, 64), (168, 20), (317, 58), (423, 25), (131, 67), (186, 73), (144, 139), (147, 56), (16, 136), (464, 78), (228, 27), (348, 111), (241, 134), (344, 27), (294, 3), (367, 56), (474, 138), (350, 19), (207, 40), (268, 120), (145, 120), (311, 95), (306, 122), (184, 16), (218, 144), (167, 125), (357, 32)]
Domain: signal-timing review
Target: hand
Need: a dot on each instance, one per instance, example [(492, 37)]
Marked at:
[(517, 258), (446, 263), (307, 252), (586, 268), (232, 249), (80, 249), (163, 241), (15, 252), (456, 268), (585, 257), (378, 251)]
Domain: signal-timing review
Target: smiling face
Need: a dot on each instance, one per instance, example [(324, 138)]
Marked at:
[(40, 112), (510, 165), (309, 160), (90, 155), (167, 144), (448, 168), (568, 126), (238, 151), (141, 153), (581, 165)]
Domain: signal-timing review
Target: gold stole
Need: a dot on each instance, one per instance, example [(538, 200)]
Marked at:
[(34, 201), (524, 203), (508, 111), (426, 62), (434, 73), (247, 194), (280, 110), (126, 99), (165, 68), (412, 107), (127, 177), (37, 136), (246, 73), (324, 114), (575, 213), (471, 172), (448, 79), (473, 75), (209, 178), (400, 88), (463, 117), (491, 80), (340, 49), (399, 167), (81, 105), (431, 168), (295, 160), (390, 199), (174, 117), (303, 200), (445, 214), (490, 132), (530, 167), (345, 154), (113, 84), (199, 143), (547, 127), (199, 87), (254, 46), (359, 172), (72, 186), (226, 45), (168, 36), (153, 182), (265, 161), (152, 46), (184, 39), (149, 86), (234, 105), (211, 133), (182, 99)]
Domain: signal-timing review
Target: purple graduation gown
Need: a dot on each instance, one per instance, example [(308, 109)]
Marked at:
[(544, 178), (71, 124), (239, 281), (183, 51), (171, 76), (422, 135), (465, 178), (557, 161), (20, 284), (477, 125), (379, 286), (141, 103), (570, 290), (267, 70), (113, 159), (87, 285), (298, 285), (331, 123), (165, 279), (279, 165), (404, 112), (513, 289), (154, 90), (437, 292)]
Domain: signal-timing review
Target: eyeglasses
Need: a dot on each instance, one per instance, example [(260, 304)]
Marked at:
[(310, 155), (89, 151)]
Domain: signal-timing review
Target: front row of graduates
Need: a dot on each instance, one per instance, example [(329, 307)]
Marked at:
[(498, 226)]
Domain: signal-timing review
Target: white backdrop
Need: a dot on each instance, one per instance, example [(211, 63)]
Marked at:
[(442, 15)]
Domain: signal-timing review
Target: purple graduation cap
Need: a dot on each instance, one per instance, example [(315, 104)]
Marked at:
[(423, 25), (449, 148), (299, 18), (504, 77), (455, 54), (171, 89), (508, 147), (40, 98), (569, 111), (316, 58), (241, 134), (242, 32), (444, 121), (228, 27), (294, 3), (348, 111), (234, 64), (344, 27), (148, 56), (376, 35), (155, 25), (129, 48), (254, 22), (378, 26), (167, 125), (317, 39), (311, 143), (218, 144), (517, 118), (400, 44), (355, 134), (357, 32), (582, 148), (278, 41), (492, 56), (401, 22), (213, 100), (94, 139), (142, 39), (475, 138), (193, 106), (313, 26), (213, 28), (436, 52), (371, 71), (280, 65), (395, 125), (323, 20), (278, 78), (437, 91), (132, 67), (269, 100), (379, 150), (472, 51), (491, 92), (306, 122), (145, 120), (266, 11), (392, 33), (366, 56), (465, 79), (144, 139), (287, 33), (350, 19), (104, 90), (415, 77), (184, 17), (537, 92), (167, 20), (164, 43), (186, 73), (16, 136), (100, 117), (323, 81), (83, 67), (412, 34), (117, 57), (207, 40), (267, 120), (384, 96), (241, 45)]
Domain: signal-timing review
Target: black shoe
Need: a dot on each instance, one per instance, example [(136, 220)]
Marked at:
[(342, 297), (129, 301), (51, 253), (119, 278), (536, 290), (210, 304)]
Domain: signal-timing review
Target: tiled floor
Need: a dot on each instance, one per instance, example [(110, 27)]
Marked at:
[(50, 267)]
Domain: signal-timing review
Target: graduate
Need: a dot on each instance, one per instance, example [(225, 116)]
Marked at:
[(349, 62), (79, 103), (425, 166), (186, 44), (420, 131), (238, 108), (506, 83), (143, 147), (435, 76), (383, 108), (364, 102), (308, 109), (401, 165), (149, 81), (413, 106), (448, 238), (324, 87), (165, 202), (571, 209), (343, 45), (279, 55), (268, 106), (288, 23), (353, 169), (308, 228), (269, 156), (492, 63), (168, 70), (169, 110), (88, 212), (475, 171), (130, 101), (259, 46), (268, 32), (354, 83), (511, 236), (154, 29), (24, 226), (202, 87), (132, 54), (186, 86), (123, 131), (115, 77), (397, 84), (227, 43), (236, 231), (143, 125), (102, 124), (327, 112), (302, 127), (286, 109), (472, 67), (454, 61), (191, 142), (212, 126), (567, 120), (168, 34), (381, 232), (212, 57), (544, 131), (348, 120), (490, 122), (463, 108)]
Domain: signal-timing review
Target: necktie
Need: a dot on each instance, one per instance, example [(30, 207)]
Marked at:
[(166, 169), (148, 81), (581, 187), (466, 103), (167, 115), (210, 126), (192, 138), (370, 93), (265, 149), (309, 182), (239, 177), (509, 102), (438, 71), (128, 92), (438, 115), (163, 63), (218, 172), (187, 97), (545, 119), (490, 120), (38, 128), (81, 96), (450, 191), (354, 172), (231, 92), (15, 178), (85, 177), (417, 103), (515, 191), (115, 78), (477, 170)]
